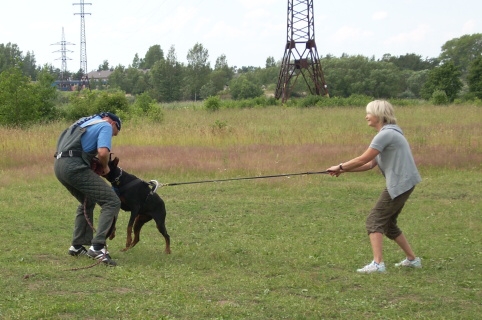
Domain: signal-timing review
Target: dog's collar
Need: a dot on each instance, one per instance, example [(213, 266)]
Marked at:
[(116, 180)]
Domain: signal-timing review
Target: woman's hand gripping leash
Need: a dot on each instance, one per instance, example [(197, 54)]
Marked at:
[(335, 170)]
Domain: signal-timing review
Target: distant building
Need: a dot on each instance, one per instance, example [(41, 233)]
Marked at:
[(101, 76)]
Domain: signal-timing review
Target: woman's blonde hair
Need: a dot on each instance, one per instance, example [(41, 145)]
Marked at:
[(383, 110)]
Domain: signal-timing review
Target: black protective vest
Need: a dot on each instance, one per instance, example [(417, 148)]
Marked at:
[(70, 145)]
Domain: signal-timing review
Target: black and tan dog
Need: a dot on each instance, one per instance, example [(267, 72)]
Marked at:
[(138, 197)]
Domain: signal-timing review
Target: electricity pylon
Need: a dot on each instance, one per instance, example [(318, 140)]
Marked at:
[(83, 43), (63, 50), (301, 55)]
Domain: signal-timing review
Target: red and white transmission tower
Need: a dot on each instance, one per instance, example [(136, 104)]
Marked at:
[(301, 56)]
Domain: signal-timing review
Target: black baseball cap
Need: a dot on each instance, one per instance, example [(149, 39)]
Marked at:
[(116, 119)]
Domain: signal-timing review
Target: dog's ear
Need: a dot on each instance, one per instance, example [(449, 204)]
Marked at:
[(115, 162)]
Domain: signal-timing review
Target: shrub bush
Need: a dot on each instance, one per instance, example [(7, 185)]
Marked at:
[(84, 103), (242, 88), (155, 113), (309, 101), (212, 103), (439, 97), (23, 102), (144, 102)]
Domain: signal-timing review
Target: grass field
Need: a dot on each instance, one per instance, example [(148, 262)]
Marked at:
[(280, 248)]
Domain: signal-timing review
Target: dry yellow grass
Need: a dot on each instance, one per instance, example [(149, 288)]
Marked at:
[(256, 141)]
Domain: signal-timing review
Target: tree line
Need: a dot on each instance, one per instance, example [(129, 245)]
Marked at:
[(455, 73)]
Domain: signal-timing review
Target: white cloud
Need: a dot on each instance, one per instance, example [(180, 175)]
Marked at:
[(416, 35)]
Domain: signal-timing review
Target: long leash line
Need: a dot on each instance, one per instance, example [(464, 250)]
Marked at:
[(243, 178)]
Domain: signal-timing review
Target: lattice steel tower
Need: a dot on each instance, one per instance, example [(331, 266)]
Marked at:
[(83, 49), (63, 50), (301, 56)]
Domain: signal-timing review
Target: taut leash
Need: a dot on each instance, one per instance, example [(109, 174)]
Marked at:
[(244, 178)]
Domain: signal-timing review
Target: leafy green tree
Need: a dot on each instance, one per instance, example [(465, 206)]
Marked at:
[(22, 102), (198, 69), (117, 78), (270, 62), (10, 56), (157, 77), (246, 69), (153, 55), (134, 81), (46, 94), (445, 78), (142, 84), (104, 66), (28, 66), (208, 89), (385, 80), (474, 77), (351, 75), (415, 81), (220, 76), (136, 61), (269, 75), (78, 75), (175, 73), (345, 76), (411, 61), (462, 51), (166, 78), (130, 80), (242, 88)]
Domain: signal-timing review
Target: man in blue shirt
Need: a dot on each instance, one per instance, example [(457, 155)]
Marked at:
[(87, 138)]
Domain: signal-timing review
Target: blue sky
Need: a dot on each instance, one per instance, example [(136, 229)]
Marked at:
[(246, 31)]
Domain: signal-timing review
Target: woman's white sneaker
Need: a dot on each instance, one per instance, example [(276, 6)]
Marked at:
[(372, 267), (415, 263)]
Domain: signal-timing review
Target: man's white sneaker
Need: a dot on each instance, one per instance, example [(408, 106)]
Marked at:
[(102, 255), (77, 252), (372, 267), (415, 263)]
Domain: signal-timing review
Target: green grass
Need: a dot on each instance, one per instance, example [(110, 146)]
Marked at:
[(281, 248)]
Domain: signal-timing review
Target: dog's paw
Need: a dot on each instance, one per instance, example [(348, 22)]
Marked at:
[(125, 249)]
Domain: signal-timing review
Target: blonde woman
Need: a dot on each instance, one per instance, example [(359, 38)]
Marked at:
[(390, 151)]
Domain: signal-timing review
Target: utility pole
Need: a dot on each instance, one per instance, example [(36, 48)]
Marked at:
[(301, 55), (83, 42), (64, 84)]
